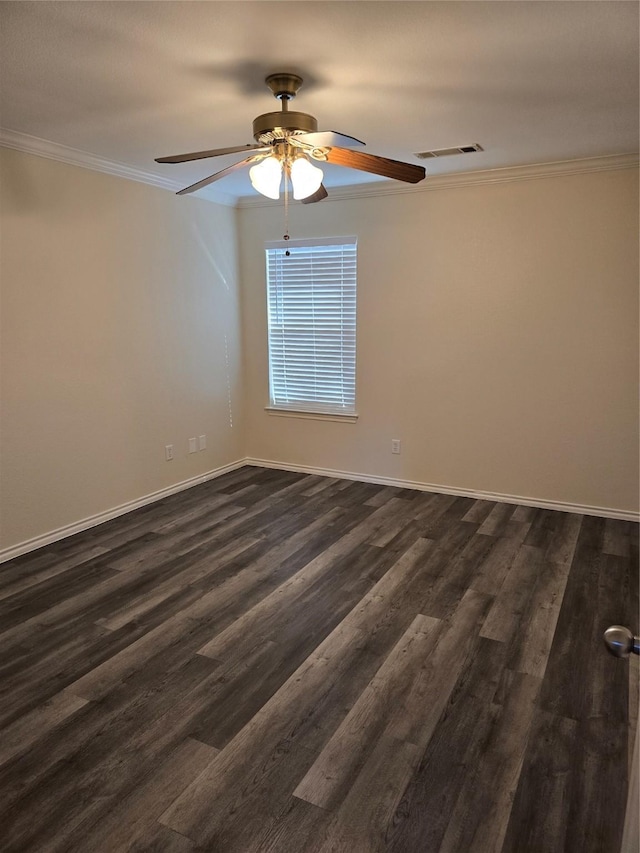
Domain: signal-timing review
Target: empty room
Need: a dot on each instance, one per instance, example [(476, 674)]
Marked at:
[(319, 426)]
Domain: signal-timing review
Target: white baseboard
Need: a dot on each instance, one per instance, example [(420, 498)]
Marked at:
[(583, 509), (107, 515)]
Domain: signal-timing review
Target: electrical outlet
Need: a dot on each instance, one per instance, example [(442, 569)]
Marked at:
[(168, 452), (202, 442), (193, 446), (395, 445)]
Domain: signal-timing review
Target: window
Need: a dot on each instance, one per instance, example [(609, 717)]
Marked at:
[(311, 293)]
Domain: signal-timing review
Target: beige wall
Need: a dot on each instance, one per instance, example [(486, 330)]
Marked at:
[(497, 338), (120, 334)]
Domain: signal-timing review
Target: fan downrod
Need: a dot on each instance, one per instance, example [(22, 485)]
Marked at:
[(272, 127)]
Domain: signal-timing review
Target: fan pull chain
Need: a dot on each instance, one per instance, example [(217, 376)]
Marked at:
[(286, 209)]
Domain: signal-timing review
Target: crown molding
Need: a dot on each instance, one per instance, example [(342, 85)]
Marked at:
[(74, 157), (560, 168), (555, 169)]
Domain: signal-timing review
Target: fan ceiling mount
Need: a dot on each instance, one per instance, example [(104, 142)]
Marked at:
[(287, 142), (283, 84)]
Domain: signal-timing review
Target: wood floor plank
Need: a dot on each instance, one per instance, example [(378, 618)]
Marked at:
[(23, 580), (544, 527), (391, 528), (578, 685), (524, 513), (616, 537), (562, 546), (424, 812), (328, 779), (546, 781), (456, 573), (440, 590), (366, 811), (607, 694), (29, 602), (134, 819), (134, 606), (28, 565), (73, 651), (596, 809), (98, 681), (491, 572), (429, 508), (480, 818), (479, 511), (361, 820), (159, 840), (415, 718), (205, 511), (504, 618), (126, 533), (634, 703), (140, 554), (531, 641), (26, 730), (357, 493), (316, 483), (293, 827), (444, 515), (497, 519)]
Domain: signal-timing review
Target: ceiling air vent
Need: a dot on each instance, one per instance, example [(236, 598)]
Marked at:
[(447, 152)]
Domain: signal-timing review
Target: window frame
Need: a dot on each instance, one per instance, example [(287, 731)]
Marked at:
[(309, 409)]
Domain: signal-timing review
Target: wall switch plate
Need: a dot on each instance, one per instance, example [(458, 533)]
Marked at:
[(202, 442), (192, 445), (395, 445), (168, 452)]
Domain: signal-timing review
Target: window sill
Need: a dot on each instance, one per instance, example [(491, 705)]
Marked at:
[(350, 418)]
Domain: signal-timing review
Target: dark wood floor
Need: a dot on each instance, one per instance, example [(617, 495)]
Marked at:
[(282, 662)]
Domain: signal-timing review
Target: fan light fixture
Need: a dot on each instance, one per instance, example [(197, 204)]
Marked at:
[(305, 177), (266, 176)]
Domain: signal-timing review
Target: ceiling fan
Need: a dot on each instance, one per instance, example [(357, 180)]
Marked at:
[(286, 144)]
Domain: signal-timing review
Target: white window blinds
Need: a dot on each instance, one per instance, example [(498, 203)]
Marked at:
[(312, 324)]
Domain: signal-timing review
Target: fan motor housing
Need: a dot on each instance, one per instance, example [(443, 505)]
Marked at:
[(278, 125)]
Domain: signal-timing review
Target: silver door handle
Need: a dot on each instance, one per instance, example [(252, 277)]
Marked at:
[(621, 642)]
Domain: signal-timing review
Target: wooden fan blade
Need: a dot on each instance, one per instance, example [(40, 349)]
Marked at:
[(318, 195), (377, 165), (206, 181), (215, 152), (328, 139)]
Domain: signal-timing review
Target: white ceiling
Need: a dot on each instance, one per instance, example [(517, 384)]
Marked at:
[(532, 82)]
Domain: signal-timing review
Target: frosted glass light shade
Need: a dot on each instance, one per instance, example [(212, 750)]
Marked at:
[(305, 177), (266, 177)]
